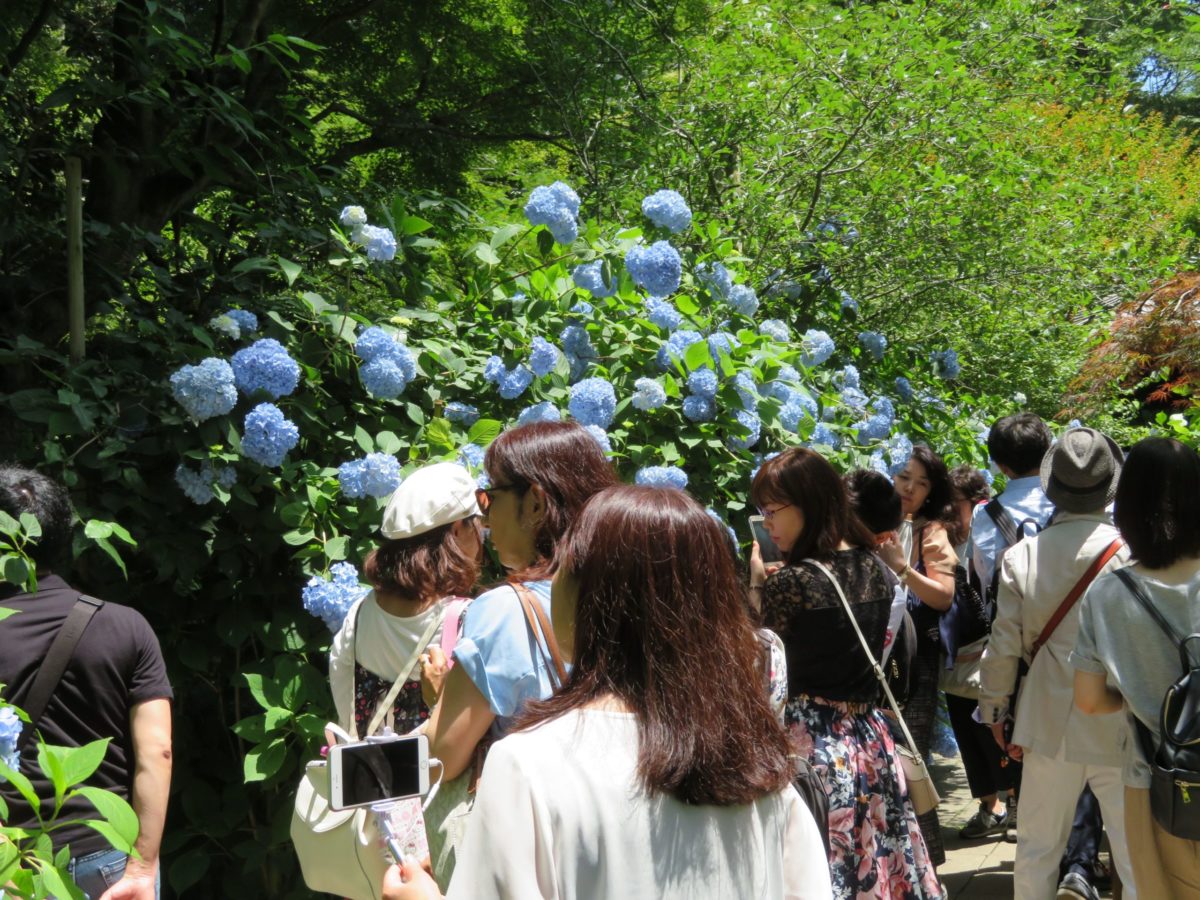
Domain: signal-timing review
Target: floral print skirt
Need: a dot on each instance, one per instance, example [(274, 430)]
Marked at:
[(876, 848)]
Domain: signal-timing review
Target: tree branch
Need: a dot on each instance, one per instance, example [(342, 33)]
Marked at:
[(18, 52)]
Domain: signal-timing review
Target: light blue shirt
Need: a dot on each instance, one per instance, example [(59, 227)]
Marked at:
[(498, 653), (1026, 503)]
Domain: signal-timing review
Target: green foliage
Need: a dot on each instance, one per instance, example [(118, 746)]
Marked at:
[(16, 566)]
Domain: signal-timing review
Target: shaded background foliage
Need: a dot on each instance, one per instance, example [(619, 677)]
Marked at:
[(992, 179)]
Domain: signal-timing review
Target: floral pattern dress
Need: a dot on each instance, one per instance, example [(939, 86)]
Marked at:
[(876, 847)]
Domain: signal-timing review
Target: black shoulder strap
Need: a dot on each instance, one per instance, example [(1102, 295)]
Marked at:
[(1140, 595), (55, 664), (1004, 522)]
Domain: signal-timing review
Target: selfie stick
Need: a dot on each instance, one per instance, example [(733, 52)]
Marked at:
[(385, 821)]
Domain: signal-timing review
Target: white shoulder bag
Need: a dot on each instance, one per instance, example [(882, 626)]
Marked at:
[(341, 851), (921, 791)]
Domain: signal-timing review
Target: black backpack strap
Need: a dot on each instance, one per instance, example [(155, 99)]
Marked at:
[(1004, 522), (1140, 595), (55, 664)]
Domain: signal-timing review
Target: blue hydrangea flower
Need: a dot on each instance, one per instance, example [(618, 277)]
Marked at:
[(816, 347), (662, 476), (380, 242), (464, 414), (759, 460), (663, 313), (728, 531), (514, 382), (703, 383), (877, 463), (353, 216), (582, 308), (854, 398), (667, 209), (539, 412), (225, 324), (493, 369), (648, 394), (874, 428), (556, 207), (471, 456), (884, 407), (849, 305), (1020, 399), (904, 389), (383, 378), (873, 342), (197, 485), (590, 277), (847, 378), (375, 342), (268, 435), (752, 423), (10, 731), (600, 436), (823, 434), (699, 409), (330, 599), (1074, 423), (205, 390), (788, 375), (945, 364), (716, 277), (593, 402), (247, 322), (579, 367), (722, 342), (375, 475), (799, 405), (543, 357), (676, 346), (987, 476), (747, 391), (265, 366), (577, 343), (657, 268), (743, 299), (775, 329), (899, 448)]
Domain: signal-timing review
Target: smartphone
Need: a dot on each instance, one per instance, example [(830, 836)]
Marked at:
[(766, 546), (369, 772)]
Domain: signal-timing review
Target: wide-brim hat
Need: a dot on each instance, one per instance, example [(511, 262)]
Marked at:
[(1080, 472), (430, 497)]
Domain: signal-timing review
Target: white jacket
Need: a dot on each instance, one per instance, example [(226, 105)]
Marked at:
[(1035, 577)]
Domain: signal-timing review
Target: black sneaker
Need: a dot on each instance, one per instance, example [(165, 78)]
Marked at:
[(983, 824), (1010, 834), (1075, 887)]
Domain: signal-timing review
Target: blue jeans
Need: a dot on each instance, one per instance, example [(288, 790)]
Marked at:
[(97, 872)]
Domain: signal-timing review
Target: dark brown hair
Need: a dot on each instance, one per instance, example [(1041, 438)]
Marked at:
[(939, 504), (1158, 502), (659, 615), (805, 479), (874, 500), (565, 462), (969, 483), (1019, 441), (424, 566)]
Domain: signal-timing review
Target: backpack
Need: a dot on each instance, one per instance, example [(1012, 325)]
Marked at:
[(1175, 766), (1013, 533)]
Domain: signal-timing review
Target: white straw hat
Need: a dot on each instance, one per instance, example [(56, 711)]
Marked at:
[(430, 497)]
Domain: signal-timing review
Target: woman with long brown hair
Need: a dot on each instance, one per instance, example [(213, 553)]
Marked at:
[(637, 778), (876, 845)]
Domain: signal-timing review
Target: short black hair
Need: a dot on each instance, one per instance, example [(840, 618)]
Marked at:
[(27, 491), (970, 483), (1019, 442), (1157, 509), (874, 500)]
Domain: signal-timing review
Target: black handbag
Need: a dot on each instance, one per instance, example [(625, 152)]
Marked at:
[(1175, 765)]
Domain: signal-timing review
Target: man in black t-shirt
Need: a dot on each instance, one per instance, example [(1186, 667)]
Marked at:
[(114, 687)]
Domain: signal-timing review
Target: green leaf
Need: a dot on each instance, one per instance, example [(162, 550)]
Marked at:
[(52, 768), (16, 570), (337, 548), (5, 612), (111, 834), (21, 783), (697, 355), (485, 254), (8, 524), (363, 438), (115, 810), (316, 303), (97, 530), (686, 305), (33, 528), (484, 431), (78, 763), (414, 225), (59, 883), (388, 442), (251, 728), (298, 537), (438, 434), (188, 869), (255, 682), (264, 761), (291, 271)]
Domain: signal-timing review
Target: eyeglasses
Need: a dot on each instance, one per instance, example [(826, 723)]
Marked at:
[(483, 496), (769, 514)]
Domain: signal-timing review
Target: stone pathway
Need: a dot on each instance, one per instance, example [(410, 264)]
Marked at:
[(974, 870)]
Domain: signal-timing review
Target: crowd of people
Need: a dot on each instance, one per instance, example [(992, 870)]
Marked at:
[(631, 711)]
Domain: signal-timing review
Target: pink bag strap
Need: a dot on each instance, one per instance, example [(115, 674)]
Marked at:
[(451, 625)]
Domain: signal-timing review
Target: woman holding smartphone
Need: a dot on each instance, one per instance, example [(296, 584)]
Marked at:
[(876, 845), (636, 779)]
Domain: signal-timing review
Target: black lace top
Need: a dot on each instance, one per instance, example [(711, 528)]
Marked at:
[(824, 656)]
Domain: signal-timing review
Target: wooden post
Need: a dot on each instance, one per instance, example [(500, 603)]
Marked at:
[(75, 315)]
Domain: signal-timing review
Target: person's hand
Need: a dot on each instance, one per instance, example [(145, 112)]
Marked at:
[(434, 667), (758, 569), (892, 553), (1014, 751), (136, 884), (409, 882)]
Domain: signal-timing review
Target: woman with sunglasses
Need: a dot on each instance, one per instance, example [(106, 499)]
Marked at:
[(876, 845), (540, 475)]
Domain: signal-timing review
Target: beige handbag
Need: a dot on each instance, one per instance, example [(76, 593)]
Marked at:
[(341, 852), (921, 791), (962, 680)]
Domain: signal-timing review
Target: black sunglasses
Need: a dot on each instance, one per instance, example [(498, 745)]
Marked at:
[(483, 496)]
